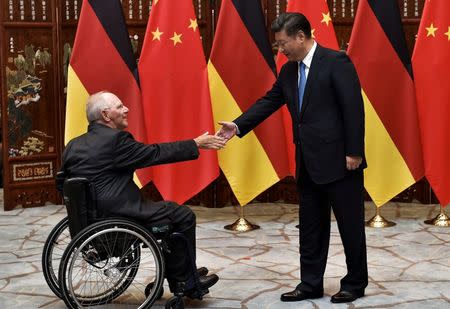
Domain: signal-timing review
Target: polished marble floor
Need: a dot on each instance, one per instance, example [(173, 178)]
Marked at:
[(409, 264)]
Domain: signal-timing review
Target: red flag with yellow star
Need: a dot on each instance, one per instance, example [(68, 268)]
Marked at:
[(431, 67), (322, 31), (175, 96)]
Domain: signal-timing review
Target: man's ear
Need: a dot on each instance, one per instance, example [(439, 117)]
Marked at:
[(301, 35), (105, 116)]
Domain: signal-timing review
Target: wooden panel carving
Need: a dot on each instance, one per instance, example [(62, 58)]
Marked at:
[(30, 126), (29, 79), (28, 10)]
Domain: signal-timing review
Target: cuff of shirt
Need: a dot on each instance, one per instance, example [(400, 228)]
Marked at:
[(237, 128)]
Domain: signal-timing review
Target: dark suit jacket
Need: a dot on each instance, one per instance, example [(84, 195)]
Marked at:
[(330, 125), (108, 158)]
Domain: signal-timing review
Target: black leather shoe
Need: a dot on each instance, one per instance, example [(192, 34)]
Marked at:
[(346, 296), (208, 281), (205, 283), (298, 295), (202, 271)]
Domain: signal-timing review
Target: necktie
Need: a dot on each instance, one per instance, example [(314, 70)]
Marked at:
[(301, 84)]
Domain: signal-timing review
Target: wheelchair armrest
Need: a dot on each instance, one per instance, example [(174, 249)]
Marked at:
[(59, 180)]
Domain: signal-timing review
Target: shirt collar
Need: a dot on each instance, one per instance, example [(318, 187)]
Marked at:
[(309, 56)]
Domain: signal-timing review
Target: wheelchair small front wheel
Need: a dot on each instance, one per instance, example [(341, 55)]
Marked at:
[(175, 302), (150, 287)]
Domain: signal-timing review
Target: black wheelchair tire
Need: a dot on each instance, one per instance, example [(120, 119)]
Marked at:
[(51, 277)]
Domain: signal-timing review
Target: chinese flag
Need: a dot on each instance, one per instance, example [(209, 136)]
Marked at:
[(102, 59), (322, 29), (392, 142), (431, 66), (241, 70), (175, 94)]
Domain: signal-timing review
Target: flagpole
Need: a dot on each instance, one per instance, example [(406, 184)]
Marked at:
[(241, 224), (378, 221), (441, 219)]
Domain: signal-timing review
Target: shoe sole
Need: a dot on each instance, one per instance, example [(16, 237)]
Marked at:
[(293, 300)]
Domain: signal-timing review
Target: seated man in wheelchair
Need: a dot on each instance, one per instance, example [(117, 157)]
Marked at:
[(108, 156)]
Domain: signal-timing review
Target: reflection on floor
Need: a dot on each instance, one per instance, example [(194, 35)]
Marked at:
[(409, 264)]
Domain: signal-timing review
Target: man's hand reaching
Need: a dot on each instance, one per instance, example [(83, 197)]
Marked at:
[(207, 141), (227, 131)]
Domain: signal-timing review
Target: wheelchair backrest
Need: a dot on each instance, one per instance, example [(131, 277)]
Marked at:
[(80, 200)]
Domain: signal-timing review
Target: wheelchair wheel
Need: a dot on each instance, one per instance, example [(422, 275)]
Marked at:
[(150, 287), (111, 262), (57, 241)]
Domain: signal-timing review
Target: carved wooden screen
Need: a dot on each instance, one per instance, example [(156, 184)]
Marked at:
[(30, 122), (36, 48)]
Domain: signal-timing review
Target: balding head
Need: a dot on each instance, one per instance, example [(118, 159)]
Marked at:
[(106, 108)]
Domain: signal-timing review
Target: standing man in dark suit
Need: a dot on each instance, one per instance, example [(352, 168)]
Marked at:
[(108, 156), (322, 91)]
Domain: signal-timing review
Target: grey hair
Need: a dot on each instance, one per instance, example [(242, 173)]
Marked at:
[(292, 23), (97, 103)]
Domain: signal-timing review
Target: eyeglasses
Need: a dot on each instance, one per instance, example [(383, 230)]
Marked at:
[(283, 43), (280, 44)]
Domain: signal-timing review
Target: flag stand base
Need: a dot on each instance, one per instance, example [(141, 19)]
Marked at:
[(378, 221), (441, 219), (241, 224)]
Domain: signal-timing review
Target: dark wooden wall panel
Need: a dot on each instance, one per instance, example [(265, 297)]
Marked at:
[(30, 123)]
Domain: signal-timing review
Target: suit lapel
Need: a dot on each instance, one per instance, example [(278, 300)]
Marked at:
[(312, 75), (293, 85)]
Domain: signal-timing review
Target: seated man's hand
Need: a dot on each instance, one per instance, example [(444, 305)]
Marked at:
[(228, 130), (353, 162), (207, 141)]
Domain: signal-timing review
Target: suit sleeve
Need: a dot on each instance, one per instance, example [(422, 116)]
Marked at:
[(261, 109), (348, 91), (131, 154)]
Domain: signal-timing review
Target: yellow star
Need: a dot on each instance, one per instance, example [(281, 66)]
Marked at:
[(193, 24), (176, 38), (155, 1), (448, 33), (312, 33), (431, 30), (326, 18), (157, 34)]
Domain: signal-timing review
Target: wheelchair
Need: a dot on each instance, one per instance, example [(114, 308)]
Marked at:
[(109, 262)]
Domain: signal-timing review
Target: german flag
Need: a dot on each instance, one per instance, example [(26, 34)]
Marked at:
[(322, 31), (431, 64), (241, 70), (393, 148), (102, 59)]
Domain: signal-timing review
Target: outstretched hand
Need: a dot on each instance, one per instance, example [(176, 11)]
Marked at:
[(207, 141), (227, 131)]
